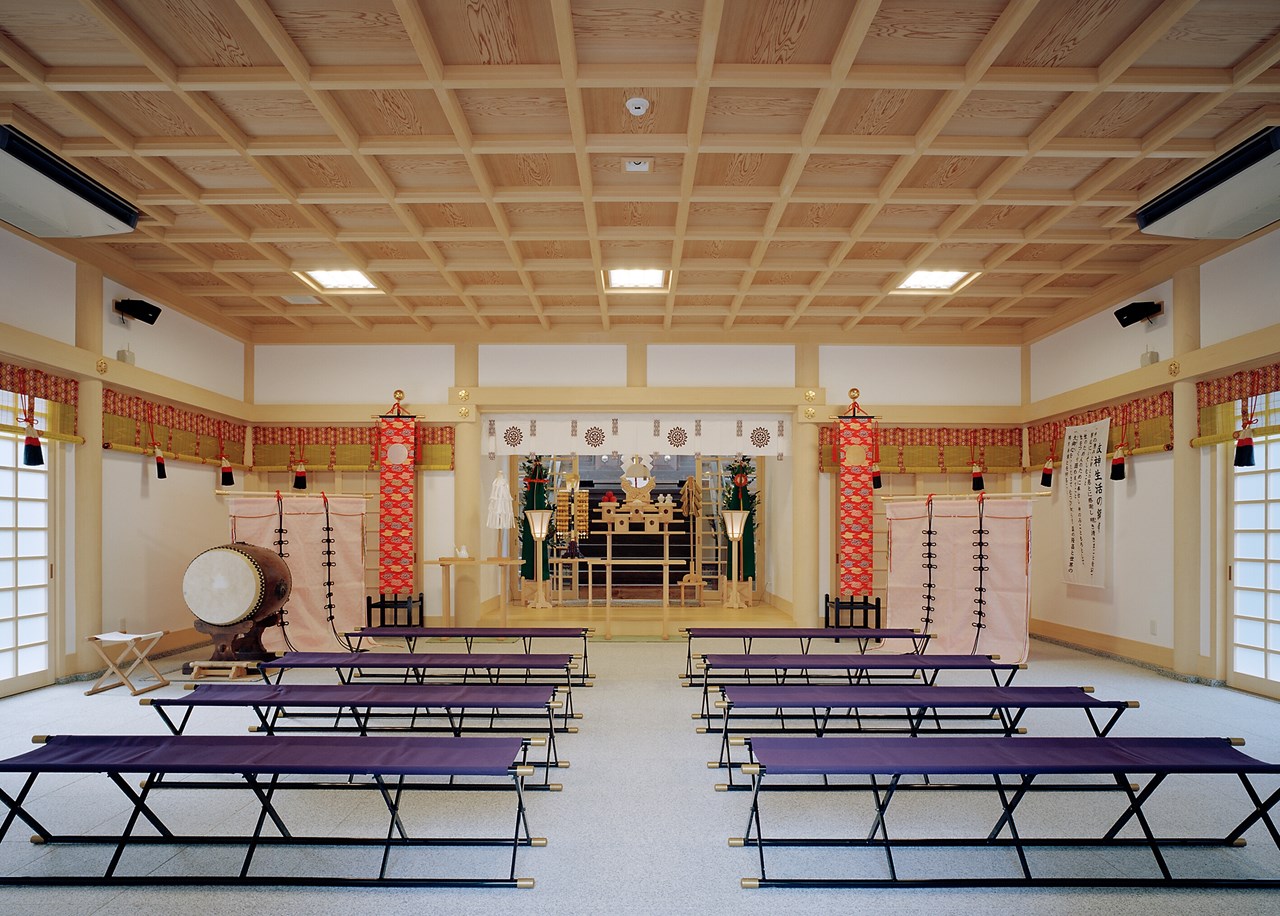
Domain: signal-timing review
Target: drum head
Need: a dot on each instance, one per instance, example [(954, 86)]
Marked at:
[(222, 586)]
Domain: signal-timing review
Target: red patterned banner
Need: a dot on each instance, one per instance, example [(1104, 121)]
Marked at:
[(396, 446), (853, 453)]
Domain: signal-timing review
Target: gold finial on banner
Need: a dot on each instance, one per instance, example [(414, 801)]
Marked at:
[(398, 394), (854, 394)]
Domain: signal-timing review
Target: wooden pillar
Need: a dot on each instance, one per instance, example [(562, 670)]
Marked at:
[(467, 527), (1189, 610), (805, 587), (637, 365), (84, 611)]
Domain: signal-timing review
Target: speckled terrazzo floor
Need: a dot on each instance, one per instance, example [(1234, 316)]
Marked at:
[(638, 827)]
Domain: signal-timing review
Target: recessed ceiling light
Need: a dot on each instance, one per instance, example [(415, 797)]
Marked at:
[(936, 281), (632, 278), (335, 280)]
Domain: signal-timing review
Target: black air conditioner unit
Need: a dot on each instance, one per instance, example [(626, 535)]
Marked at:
[(44, 196), (1236, 194)]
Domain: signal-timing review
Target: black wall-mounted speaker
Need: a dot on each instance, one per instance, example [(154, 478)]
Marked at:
[(138, 308), (1137, 311)]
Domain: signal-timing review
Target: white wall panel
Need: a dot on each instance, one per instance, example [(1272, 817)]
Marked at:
[(152, 530), (553, 365), (1238, 291), (177, 346), (39, 289), (720, 366), (1137, 600), (352, 374), (922, 375), (1098, 348)]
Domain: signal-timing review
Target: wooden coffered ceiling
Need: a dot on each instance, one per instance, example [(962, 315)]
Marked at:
[(806, 155)]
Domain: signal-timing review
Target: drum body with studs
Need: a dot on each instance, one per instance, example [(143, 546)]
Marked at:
[(233, 590)]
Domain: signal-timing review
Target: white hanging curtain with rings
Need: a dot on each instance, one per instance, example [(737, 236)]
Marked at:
[(254, 520), (938, 576)]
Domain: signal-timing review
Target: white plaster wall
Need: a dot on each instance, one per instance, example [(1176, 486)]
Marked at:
[(1138, 592), (177, 346), (779, 500), (152, 529), (721, 366), (352, 374), (1240, 291), (435, 491), (39, 289), (826, 548), (1098, 348), (553, 365), (988, 376)]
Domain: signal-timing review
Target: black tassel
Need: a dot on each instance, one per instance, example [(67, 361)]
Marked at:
[(978, 483), (300, 477), (1046, 474), (1244, 452), (160, 474), (228, 479), (876, 483), (1117, 465), (32, 454)]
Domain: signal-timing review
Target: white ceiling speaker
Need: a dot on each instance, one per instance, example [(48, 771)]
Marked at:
[(637, 106), (46, 197)]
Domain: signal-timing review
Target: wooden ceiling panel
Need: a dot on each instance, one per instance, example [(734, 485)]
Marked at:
[(555, 250), (831, 215), (606, 110), (1074, 33), (223, 173), (782, 31), (531, 170), (493, 112), (946, 172), (333, 34), (608, 170), (624, 31), (1214, 33), (487, 32), (928, 32), (272, 114), (741, 170), (209, 34), (999, 113), (453, 216), (479, 145), (718, 249), (880, 112), (823, 170), (569, 216), (1053, 173), (1125, 114), (429, 173), (393, 112), (747, 111), (62, 33)]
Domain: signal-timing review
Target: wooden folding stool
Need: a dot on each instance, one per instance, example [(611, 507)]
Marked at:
[(134, 648)]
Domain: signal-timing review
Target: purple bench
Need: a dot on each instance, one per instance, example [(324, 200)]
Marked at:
[(407, 708), (826, 710), (468, 635), (719, 670), (863, 636), (269, 766), (1013, 767)]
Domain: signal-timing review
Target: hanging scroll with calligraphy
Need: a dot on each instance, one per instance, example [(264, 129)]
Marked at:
[(1084, 475)]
